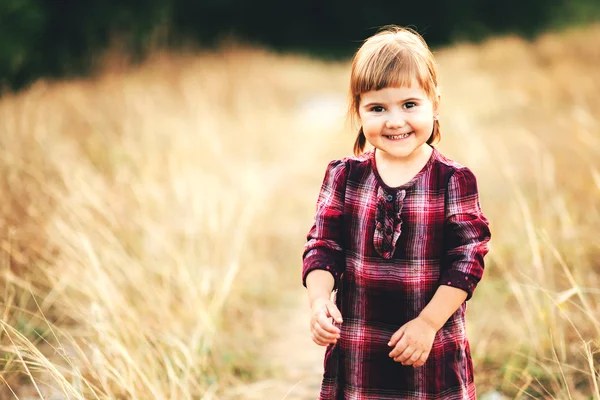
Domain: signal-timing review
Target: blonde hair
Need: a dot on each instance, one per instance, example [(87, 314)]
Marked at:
[(393, 57)]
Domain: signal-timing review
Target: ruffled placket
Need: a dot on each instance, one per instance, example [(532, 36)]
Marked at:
[(388, 219)]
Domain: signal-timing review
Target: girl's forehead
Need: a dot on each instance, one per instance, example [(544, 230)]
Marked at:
[(414, 90)]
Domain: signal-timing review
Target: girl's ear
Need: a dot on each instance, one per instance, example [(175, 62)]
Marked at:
[(436, 104)]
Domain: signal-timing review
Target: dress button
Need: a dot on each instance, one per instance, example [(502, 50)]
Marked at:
[(388, 231), (389, 197)]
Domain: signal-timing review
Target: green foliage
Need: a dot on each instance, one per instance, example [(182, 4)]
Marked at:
[(576, 12), (52, 38), (21, 25), (58, 38)]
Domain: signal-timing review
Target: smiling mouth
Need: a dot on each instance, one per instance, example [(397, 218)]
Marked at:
[(398, 137)]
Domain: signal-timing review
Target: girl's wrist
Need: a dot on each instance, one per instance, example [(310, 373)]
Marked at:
[(322, 299), (430, 321)]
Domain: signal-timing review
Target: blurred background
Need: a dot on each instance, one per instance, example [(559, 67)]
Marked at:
[(160, 163), (68, 37)]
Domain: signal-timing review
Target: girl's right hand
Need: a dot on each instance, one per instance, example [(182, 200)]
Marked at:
[(322, 329)]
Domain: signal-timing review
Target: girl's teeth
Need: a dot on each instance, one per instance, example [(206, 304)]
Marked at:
[(399, 136)]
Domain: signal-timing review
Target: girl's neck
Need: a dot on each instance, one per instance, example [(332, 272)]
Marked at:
[(418, 157), (396, 172)]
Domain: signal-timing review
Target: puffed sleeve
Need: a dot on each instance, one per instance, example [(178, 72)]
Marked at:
[(324, 247), (467, 234)]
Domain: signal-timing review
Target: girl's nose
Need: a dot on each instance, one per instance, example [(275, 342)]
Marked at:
[(394, 123)]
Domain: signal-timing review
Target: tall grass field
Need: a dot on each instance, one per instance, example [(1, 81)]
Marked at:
[(152, 218)]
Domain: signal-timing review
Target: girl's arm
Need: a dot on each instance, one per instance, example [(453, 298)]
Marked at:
[(444, 303), (323, 249), (467, 234), (319, 284), (323, 258)]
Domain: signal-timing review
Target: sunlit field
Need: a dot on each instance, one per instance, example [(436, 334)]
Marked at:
[(152, 218)]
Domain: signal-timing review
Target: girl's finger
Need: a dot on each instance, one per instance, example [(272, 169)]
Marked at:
[(319, 340), (334, 313), (396, 337), (422, 359), (418, 364), (323, 342), (325, 336), (405, 355), (413, 358), (401, 345), (322, 333), (314, 338), (324, 322)]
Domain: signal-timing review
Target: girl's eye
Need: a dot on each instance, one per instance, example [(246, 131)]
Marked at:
[(377, 109), (410, 104)]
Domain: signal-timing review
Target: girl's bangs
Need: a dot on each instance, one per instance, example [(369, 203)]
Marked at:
[(394, 68)]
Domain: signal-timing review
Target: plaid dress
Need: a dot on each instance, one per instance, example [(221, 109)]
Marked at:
[(389, 249)]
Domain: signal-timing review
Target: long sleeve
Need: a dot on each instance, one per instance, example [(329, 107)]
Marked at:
[(324, 247), (467, 234)]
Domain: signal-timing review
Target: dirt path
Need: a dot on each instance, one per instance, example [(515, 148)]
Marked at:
[(298, 360)]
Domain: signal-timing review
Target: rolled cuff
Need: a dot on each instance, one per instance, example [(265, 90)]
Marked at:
[(324, 260), (460, 280)]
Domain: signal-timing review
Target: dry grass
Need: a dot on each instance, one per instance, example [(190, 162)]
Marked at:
[(153, 217)]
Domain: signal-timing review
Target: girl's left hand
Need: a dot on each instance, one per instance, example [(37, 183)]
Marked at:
[(412, 342)]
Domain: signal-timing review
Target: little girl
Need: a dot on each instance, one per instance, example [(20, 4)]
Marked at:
[(399, 235)]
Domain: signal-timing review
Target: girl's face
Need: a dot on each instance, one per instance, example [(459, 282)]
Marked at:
[(397, 121)]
